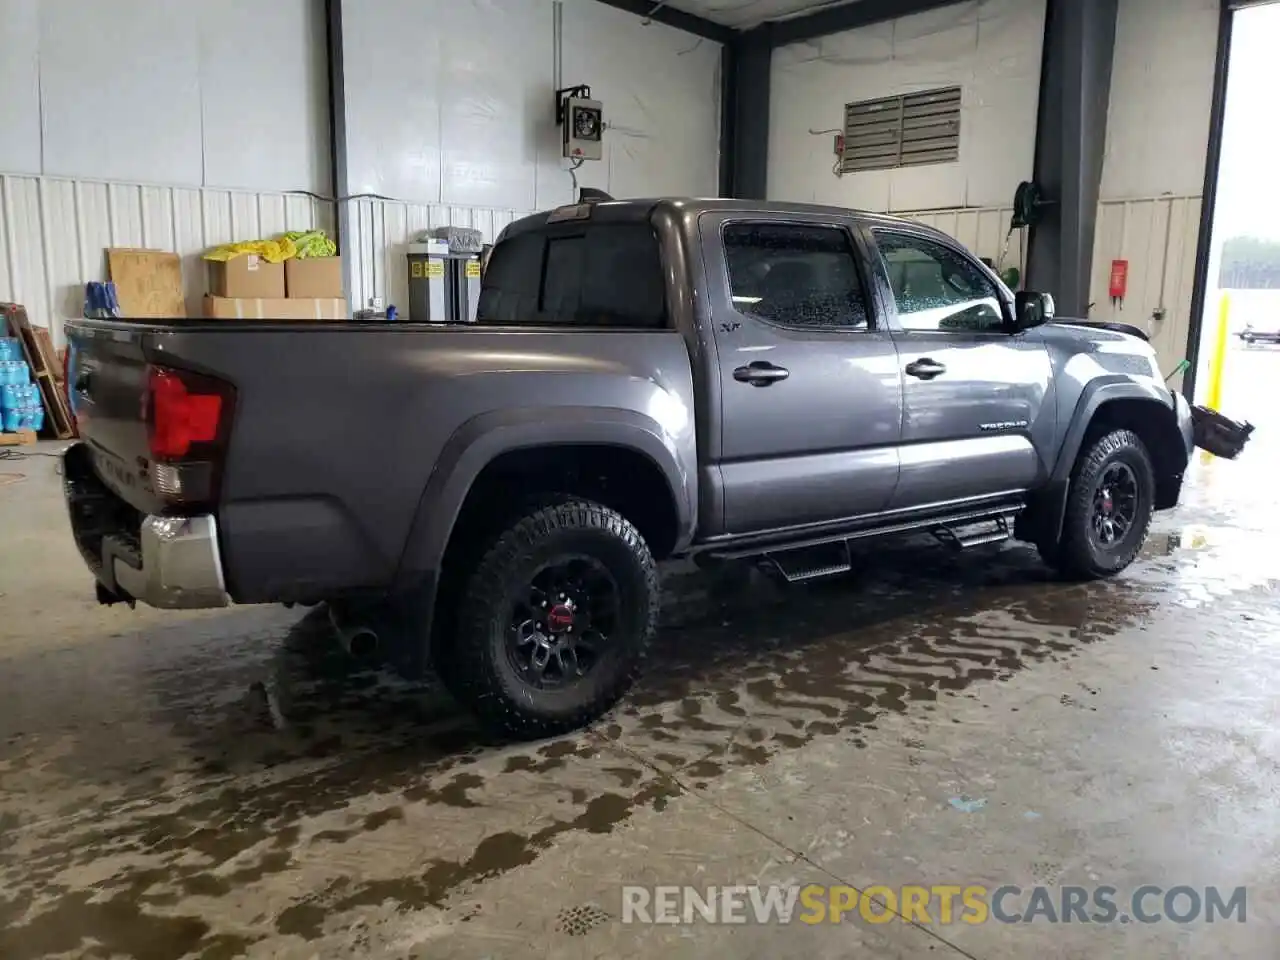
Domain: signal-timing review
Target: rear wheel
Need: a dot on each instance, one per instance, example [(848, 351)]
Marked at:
[(555, 620), (1109, 508)]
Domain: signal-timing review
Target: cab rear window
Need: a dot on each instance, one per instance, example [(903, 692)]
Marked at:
[(582, 275)]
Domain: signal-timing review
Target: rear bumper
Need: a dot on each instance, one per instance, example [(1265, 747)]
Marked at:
[(181, 567), (167, 562)]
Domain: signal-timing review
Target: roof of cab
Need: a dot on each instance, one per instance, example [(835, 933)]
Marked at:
[(622, 211)]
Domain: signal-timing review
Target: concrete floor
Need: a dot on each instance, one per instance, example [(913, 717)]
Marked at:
[(227, 784)]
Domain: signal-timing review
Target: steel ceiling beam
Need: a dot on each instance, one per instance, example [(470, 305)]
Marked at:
[(848, 16), (660, 12)]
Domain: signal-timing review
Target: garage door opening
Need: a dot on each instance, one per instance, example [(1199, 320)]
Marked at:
[(1237, 348)]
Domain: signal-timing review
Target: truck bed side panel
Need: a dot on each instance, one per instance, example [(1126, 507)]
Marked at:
[(338, 428)]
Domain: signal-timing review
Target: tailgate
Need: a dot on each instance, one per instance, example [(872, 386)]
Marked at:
[(107, 385)]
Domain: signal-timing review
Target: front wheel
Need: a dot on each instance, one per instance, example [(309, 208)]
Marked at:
[(1109, 508), (555, 620)]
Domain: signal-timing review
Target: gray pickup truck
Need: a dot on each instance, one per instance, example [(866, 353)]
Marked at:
[(646, 379)]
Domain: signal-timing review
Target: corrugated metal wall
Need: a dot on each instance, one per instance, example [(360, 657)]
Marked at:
[(1158, 238), (382, 231), (55, 232)]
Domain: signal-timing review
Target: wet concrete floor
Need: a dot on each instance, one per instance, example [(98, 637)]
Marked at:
[(229, 784)]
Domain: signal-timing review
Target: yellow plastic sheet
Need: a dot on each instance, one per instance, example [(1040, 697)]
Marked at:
[(272, 251), (312, 243)]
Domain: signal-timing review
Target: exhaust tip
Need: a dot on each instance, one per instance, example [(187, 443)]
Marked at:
[(361, 643), (358, 639)]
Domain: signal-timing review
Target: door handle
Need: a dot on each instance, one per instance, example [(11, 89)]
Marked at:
[(761, 373), (925, 369)]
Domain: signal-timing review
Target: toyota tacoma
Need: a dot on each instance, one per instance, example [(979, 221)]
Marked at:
[(646, 379)]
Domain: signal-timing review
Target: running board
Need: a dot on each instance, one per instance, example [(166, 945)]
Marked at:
[(812, 563), (1004, 513), (966, 537)]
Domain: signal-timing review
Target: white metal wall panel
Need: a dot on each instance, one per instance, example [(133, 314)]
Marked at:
[(24, 245), (264, 94), (990, 48), (231, 94), (1161, 93), (1158, 238), (55, 232), (20, 86), (448, 98), (120, 90)]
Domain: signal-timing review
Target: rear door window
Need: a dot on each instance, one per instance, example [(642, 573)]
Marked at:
[(602, 275), (795, 275)]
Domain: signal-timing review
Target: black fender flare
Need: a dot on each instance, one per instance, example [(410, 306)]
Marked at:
[(1050, 506), (479, 441)]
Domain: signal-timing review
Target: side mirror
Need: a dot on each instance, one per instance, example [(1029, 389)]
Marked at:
[(1031, 309)]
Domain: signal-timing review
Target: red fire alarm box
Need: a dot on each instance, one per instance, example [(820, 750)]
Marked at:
[(1119, 279)]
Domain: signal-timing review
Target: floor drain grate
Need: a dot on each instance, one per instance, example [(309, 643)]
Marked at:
[(581, 920)]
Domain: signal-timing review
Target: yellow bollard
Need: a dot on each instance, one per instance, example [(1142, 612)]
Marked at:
[(1214, 401)]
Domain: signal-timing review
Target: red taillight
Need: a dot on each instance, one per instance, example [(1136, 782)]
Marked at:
[(187, 417), (183, 410)]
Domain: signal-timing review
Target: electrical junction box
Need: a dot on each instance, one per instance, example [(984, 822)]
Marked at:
[(582, 126)]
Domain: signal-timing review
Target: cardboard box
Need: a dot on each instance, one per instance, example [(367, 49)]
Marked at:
[(275, 308), (246, 276), (313, 277)]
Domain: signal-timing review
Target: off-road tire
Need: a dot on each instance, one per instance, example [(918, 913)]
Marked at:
[(480, 674), (1077, 555)]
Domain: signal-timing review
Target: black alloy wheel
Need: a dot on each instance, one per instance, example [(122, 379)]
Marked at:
[(1115, 505), (560, 628)]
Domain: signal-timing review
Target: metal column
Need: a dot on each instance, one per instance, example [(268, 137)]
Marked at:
[(1071, 133)]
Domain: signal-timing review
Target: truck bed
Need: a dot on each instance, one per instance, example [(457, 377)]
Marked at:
[(338, 427)]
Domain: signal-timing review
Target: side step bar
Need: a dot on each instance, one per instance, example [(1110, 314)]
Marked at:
[(956, 520), (812, 559), (965, 537), (813, 563)]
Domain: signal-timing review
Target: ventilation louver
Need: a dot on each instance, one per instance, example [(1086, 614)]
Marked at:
[(904, 131)]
